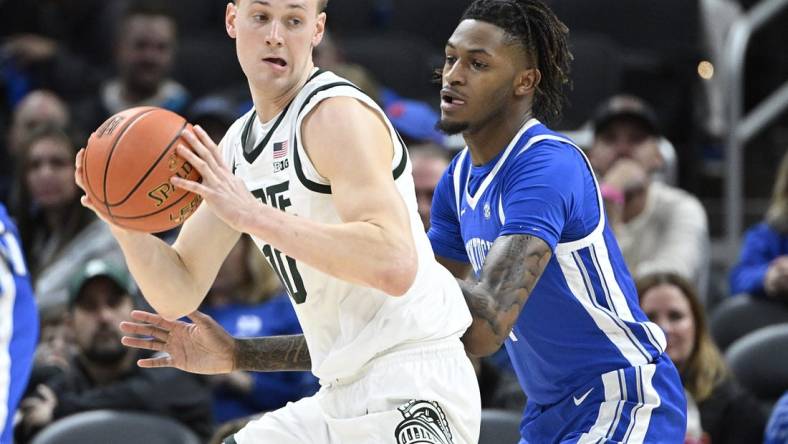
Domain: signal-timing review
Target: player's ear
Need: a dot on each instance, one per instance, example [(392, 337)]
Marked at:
[(527, 81), (320, 29), (229, 19)]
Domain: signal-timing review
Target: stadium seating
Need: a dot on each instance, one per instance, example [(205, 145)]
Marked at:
[(743, 314), (500, 427), (401, 62), (759, 361), (115, 427)]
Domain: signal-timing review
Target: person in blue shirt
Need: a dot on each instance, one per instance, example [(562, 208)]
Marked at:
[(520, 211), (762, 269), (18, 325), (777, 428)]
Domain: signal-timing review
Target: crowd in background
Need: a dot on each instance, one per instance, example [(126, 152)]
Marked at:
[(649, 124)]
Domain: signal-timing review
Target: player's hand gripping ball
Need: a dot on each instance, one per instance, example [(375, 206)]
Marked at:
[(127, 166)]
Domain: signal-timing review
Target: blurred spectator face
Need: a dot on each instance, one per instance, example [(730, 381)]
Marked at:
[(37, 109), (274, 41), (668, 307), (50, 173), (98, 310), (145, 52), (627, 138), (427, 171)]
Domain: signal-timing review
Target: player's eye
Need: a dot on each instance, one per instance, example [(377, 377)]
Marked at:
[(295, 22), (450, 60), (478, 65), (261, 18)]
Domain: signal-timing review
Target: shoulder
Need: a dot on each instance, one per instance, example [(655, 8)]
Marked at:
[(554, 160)]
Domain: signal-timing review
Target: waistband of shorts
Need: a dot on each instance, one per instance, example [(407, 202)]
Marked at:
[(423, 350)]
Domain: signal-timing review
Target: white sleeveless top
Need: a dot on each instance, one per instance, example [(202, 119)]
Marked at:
[(345, 325)]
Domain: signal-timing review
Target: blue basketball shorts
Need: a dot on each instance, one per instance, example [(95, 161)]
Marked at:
[(643, 404)]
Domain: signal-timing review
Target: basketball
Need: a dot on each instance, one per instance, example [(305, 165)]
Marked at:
[(127, 166)]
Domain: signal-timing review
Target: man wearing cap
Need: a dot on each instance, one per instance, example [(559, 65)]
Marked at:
[(660, 228), (103, 374)]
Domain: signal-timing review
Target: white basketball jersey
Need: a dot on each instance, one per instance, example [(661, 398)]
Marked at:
[(345, 325)]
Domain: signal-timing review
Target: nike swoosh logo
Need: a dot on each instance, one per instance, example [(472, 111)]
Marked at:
[(580, 400)]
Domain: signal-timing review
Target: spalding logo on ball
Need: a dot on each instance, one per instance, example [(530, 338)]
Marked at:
[(127, 166)]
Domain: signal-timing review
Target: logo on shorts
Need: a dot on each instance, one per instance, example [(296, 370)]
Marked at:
[(424, 423)]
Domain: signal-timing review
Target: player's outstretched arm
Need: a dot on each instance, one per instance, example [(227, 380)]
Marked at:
[(204, 347), (511, 270), (350, 145)]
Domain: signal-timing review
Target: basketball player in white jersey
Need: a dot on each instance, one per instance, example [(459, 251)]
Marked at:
[(317, 175)]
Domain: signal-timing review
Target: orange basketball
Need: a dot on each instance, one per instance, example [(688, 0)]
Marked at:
[(127, 166)]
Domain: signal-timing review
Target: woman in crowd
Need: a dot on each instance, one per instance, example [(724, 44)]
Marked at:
[(58, 233), (728, 413)]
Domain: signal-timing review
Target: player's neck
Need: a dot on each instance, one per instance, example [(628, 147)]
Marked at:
[(269, 104), (490, 139)]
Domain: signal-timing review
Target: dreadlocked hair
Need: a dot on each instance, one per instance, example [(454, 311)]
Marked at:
[(543, 37)]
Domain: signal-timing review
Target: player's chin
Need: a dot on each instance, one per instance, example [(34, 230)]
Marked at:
[(451, 126)]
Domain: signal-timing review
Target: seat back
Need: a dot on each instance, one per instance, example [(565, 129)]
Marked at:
[(500, 427), (743, 314), (759, 361), (116, 427)]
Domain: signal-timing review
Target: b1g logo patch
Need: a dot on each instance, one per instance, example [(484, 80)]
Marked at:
[(281, 162), (424, 423)]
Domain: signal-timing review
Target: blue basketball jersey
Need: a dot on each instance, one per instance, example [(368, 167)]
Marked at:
[(582, 319), (18, 324)]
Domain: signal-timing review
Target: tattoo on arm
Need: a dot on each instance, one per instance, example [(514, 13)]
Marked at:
[(274, 353), (511, 270)]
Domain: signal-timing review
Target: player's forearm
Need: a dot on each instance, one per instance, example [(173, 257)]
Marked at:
[(160, 274), (271, 354), (511, 271), (364, 253)]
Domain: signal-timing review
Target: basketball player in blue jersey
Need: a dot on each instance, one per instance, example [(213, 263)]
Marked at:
[(18, 325), (521, 209)]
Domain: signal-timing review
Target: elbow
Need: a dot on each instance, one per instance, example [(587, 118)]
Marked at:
[(480, 341), (171, 313), (172, 310), (399, 275), (481, 348)]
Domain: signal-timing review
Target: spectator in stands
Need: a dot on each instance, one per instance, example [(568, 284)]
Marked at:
[(39, 108), (36, 109), (144, 51), (58, 233), (762, 269), (57, 45), (429, 162), (777, 428), (104, 374), (247, 301), (659, 228), (728, 413)]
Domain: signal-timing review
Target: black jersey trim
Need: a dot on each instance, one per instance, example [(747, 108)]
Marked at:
[(309, 184), (403, 162), (323, 188), (255, 153), (252, 155)]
